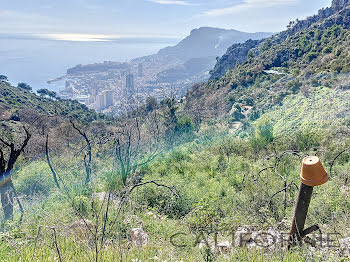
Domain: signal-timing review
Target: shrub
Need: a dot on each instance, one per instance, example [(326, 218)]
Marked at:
[(165, 202), (306, 139), (35, 180), (231, 99), (237, 114), (184, 125), (206, 215), (311, 56), (327, 49), (294, 85)]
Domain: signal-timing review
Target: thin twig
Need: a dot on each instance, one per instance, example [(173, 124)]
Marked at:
[(56, 244)]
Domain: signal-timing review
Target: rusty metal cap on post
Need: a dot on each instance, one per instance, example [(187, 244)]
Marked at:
[(312, 172)]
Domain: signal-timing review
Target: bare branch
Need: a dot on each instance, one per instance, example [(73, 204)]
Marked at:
[(335, 159), (88, 158), (49, 162), (56, 244)]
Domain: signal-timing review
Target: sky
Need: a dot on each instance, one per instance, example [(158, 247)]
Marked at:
[(101, 20)]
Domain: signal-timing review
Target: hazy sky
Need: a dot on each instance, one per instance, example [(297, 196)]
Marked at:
[(100, 19)]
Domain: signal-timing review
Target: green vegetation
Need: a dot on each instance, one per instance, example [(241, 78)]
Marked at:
[(21, 97), (24, 86), (218, 187), (226, 156)]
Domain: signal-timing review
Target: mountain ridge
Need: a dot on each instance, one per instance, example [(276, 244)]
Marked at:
[(209, 41)]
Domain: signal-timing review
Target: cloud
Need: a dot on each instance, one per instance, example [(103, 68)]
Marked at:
[(78, 37), (172, 2), (12, 21), (246, 5), (83, 37)]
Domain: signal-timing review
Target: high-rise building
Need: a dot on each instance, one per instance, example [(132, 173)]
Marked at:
[(100, 102), (140, 70), (130, 85), (108, 98), (104, 100)]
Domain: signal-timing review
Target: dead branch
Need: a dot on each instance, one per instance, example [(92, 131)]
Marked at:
[(49, 162), (7, 190), (128, 192), (56, 244), (35, 243), (335, 159), (274, 167), (88, 154)]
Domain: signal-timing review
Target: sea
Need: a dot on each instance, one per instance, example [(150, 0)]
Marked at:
[(35, 61)]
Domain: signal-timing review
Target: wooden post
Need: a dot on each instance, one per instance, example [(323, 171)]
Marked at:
[(300, 213), (312, 174)]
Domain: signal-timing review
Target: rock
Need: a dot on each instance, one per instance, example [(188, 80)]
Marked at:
[(132, 221), (223, 247), (344, 246), (103, 196), (150, 214), (236, 54), (5, 114), (243, 235), (345, 189), (139, 237), (100, 196), (248, 236), (339, 4), (155, 216), (203, 244), (81, 229), (270, 239)]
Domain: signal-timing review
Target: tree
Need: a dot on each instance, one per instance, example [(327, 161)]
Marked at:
[(151, 103), (52, 94), (9, 154), (170, 119), (24, 86), (184, 125), (3, 78), (43, 92)]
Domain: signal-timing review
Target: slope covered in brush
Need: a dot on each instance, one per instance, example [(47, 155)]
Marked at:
[(285, 64), (237, 53), (14, 100)]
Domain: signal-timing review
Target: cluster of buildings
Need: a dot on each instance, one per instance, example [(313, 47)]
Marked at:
[(108, 86), (111, 87), (98, 92)]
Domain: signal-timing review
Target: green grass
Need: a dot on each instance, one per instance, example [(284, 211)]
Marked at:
[(219, 188)]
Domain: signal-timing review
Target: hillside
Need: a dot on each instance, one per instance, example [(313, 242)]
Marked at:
[(257, 75), (237, 54), (14, 100)]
